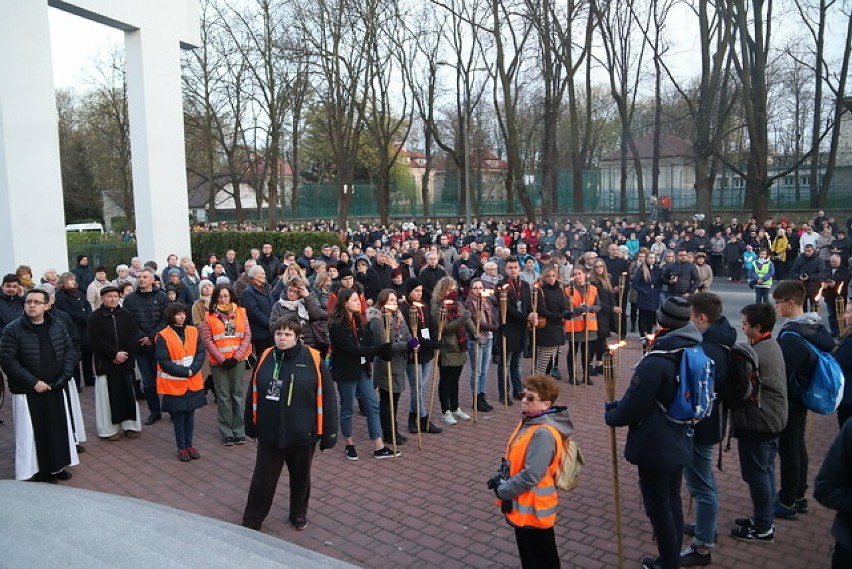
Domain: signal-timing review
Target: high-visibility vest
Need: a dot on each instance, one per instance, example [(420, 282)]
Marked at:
[(535, 508), (255, 395), (225, 343), (181, 353), (761, 271), (578, 322)]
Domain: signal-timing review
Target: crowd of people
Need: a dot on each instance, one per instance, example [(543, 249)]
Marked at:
[(409, 307)]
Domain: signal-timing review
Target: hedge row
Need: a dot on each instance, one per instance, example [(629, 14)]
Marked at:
[(205, 243)]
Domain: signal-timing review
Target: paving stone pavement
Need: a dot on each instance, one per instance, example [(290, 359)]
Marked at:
[(431, 507)]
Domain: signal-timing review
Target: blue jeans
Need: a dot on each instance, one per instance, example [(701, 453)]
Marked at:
[(514, 373), (698, 474), (184, 422), (425, 377), (479, 372), (147, 363), (757, 464), (367, 394), (761, 295)]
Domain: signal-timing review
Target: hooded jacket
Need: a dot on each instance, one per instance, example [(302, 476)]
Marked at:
[(798, 357), (540, 451), (653, 440)]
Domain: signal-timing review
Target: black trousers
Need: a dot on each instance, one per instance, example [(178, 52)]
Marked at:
[(385, 413), (537, 548), (661, 496), (841, 558), (264, 480), (794, 457), (647, 321), (579, 346), (448, 387)]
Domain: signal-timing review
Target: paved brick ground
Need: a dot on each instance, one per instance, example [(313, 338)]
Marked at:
[(430, 507)]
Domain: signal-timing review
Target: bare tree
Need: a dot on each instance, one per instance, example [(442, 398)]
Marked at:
[(339, 40), (616, 22)]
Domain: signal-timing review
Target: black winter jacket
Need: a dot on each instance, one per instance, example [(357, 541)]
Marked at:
[(799, 360), (351, 347), (147, 311), (551, 305), (75, 305), (518, 308), (20, 354), (258, 305), (653, 440), (719, 334), (10, 308), (833, 485), (291, 421)]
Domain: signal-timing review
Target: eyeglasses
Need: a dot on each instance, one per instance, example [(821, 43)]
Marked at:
[(530, 398), (34, 302)]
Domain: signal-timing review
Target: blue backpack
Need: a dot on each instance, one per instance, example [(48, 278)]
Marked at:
[(825, 390), (696, 385)]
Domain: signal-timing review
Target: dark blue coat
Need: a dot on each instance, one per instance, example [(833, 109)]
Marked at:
[(648, 292), (798, 357), (258, 305), (719, 334), (653, 440)]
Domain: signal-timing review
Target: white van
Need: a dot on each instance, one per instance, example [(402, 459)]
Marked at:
[(85, 227)]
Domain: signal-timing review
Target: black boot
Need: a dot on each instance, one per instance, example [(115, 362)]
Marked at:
[(427, 426), (482, 405), (412, 422)]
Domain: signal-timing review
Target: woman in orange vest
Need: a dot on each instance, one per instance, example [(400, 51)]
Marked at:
[(227, 340), (180, 356), (526, 483), (583, 306)]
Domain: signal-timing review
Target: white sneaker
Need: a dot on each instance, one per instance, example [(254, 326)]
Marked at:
[(461, 415), (449, 419)]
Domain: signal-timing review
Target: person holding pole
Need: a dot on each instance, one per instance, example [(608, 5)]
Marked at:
[(388, 325), (479, 347), (419, 368), (513, 330), (457, 326), (551, 307), (581, 312), (525, 484), (658, 447)]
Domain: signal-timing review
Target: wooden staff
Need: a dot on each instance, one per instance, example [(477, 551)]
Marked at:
[(622, 281), (573, 351), (388, 316), (840, 310), (442, 320), (476, 354), (609, 381), (504, 304), (413, 321), (586, 337), (534, 291)]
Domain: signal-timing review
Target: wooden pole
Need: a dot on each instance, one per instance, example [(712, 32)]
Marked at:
[(572, 348), (476, 354), (840, 310), (442, 320), (388, 316), (609, 381), (504, 307), (413, 322), (534, 291)]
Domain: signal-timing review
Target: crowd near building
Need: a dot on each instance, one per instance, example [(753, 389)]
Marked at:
[(292, 345)]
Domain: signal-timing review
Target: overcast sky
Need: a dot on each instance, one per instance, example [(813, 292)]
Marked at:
[(77, 44)]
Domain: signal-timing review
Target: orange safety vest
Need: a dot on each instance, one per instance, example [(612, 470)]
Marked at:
[(255, 395), (181, 353), (535, 508), (226, 344), (577, 322)]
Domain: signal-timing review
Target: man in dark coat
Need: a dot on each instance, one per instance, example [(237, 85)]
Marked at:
[(71, 299), (809, 269), (83, 272), (38, 357), (514, 329), (835, 282), (833, 489), (146, 305), (658, 446), (681, 276), (378, 276), (430, 274), (270, 263), (11, 304), (114, 339)]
